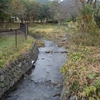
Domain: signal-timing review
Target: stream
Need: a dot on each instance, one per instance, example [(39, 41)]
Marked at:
[(44, 80)]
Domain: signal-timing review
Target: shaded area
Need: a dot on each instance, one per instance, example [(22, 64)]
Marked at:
[(45, 81)]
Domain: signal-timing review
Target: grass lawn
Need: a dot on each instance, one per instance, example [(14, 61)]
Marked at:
[(9, 26), (9, 52)]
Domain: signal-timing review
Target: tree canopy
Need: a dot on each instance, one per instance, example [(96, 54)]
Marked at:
[(42, 10)]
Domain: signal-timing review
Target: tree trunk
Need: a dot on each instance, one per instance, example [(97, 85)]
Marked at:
[(46, 20), (30, 20), (22, 20), (41, 21), (59, 23), (95, 4)]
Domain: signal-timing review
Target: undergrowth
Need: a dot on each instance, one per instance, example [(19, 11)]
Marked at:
[(82, 70)]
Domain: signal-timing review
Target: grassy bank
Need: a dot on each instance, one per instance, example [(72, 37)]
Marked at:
[(8, 26), (82, 70), (9, 52)]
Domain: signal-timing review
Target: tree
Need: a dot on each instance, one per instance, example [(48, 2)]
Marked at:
[(61, 10), (28, 10), (17, 8), (71, 8), (36, 11), (58, 11), (44, 12), (4, 9), (32, 10), (87, 17)]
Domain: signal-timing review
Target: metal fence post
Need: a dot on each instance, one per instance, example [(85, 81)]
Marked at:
[(26, 27), (15, 38)]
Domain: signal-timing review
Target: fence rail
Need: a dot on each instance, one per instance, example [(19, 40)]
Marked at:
[(23, 30)]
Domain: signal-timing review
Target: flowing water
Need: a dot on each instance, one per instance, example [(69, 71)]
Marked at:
[(44, 82)]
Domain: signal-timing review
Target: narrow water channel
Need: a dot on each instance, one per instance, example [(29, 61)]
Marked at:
[(44, 82)]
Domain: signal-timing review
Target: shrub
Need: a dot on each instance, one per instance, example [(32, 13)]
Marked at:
[(97, 18)]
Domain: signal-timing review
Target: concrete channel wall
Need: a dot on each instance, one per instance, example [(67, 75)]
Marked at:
[(12, 72)]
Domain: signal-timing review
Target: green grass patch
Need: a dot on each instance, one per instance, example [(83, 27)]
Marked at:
[(12, 25), (9, 52), (7, 26)]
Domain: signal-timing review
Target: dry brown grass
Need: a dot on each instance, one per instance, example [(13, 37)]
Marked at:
[(82, 70), (40, 43)]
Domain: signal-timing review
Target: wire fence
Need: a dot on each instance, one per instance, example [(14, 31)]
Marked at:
[(18, 34)]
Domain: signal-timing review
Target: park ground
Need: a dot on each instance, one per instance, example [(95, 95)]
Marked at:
[(82, 68)]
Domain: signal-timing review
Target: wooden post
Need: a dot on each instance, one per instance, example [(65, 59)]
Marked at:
[(15, 38)]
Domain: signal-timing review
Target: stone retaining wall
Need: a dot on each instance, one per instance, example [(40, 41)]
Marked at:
[(12, 72)]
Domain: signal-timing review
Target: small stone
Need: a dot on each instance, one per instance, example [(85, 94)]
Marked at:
[(7, 82), (20, 64), (59, 86), (1, 94), (1, 78), (64, 52), (12, 83), (1, 72), (84, 99), (54, 83), (64, 39), (73, 98), (24, 61), (0, 89), (42, 58), (48, 51), (8, 87), (2, 84), (12, 64), (4, 89), (58, 94)]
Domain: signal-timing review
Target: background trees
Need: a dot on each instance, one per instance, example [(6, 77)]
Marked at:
[(16, 8), (4, 9), (31, 10), (45, 10), (58, 11)]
